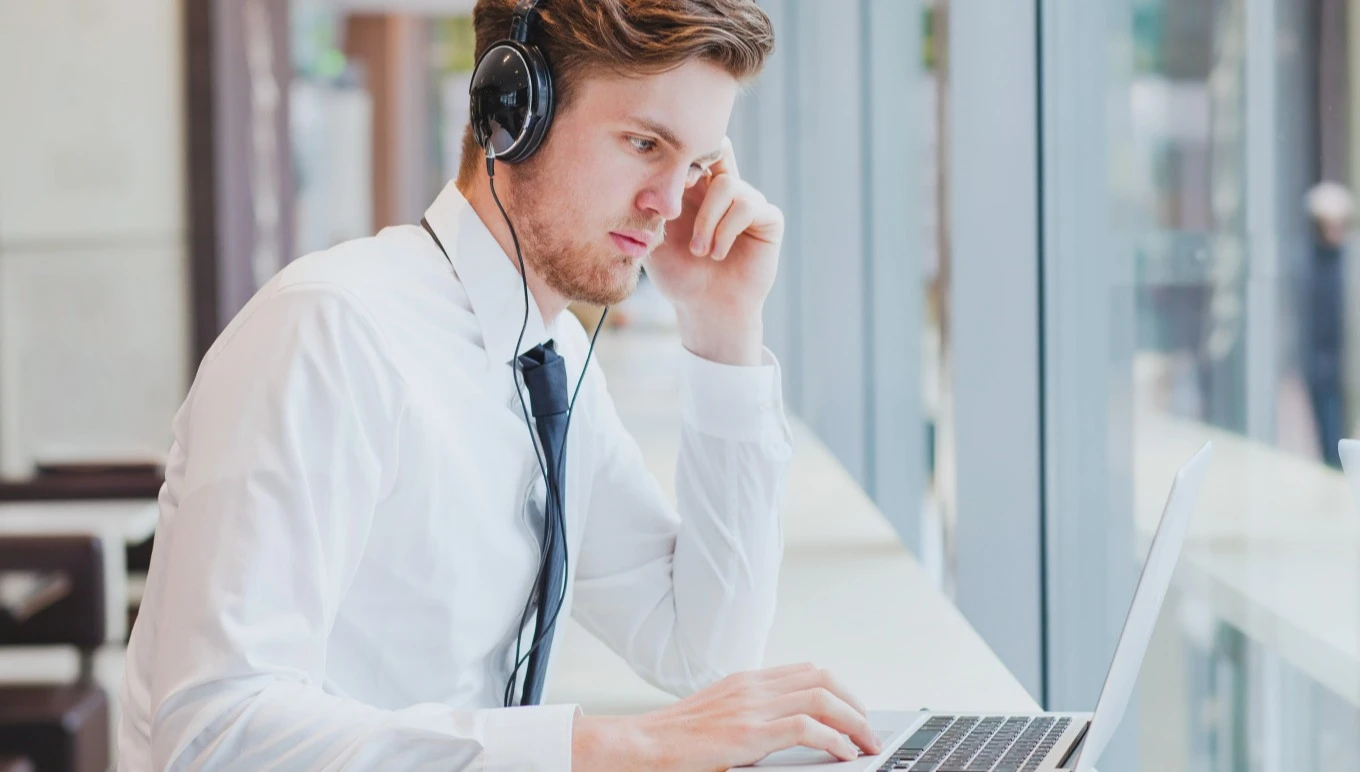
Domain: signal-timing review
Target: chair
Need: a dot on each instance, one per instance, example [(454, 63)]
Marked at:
[(52, 593)]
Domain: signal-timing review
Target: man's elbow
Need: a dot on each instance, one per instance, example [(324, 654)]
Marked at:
[(188, 733)]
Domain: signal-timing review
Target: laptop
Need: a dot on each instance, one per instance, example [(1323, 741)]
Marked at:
[(1039, 742)]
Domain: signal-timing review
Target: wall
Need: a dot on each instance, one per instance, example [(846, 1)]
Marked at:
[(93, 314), (832, 133)]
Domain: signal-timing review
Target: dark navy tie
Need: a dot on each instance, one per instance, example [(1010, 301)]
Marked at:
[(545, 376)]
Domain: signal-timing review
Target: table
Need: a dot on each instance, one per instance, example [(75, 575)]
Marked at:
[(117, 524)]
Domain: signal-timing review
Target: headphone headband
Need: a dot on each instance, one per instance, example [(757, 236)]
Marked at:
[(521, 18)]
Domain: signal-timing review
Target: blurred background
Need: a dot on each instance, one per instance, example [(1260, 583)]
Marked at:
[(1037, 252)]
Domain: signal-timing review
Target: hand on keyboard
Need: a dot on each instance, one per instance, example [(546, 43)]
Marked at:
[(735, 722)]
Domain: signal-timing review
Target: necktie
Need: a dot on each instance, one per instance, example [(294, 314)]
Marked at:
[(545, 376)]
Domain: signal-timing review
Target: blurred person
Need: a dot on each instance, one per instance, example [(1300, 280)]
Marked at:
[(1330, 207), (365, 543)]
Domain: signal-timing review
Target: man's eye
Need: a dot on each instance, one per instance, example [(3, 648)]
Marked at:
[(642, 145)]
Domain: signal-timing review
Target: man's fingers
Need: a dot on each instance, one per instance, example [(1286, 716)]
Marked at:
[(807, 731), (770, 715), (778, 673), (721, 192), (811, 678), (738, 218), (828, 709), (727, 162)]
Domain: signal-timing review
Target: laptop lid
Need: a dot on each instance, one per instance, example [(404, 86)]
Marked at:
[(1147, 604), (1350, 462)]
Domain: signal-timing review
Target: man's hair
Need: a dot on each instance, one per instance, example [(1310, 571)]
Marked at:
[(580, 38)]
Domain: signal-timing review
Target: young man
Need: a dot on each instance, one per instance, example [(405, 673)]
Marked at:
[(355, 516)]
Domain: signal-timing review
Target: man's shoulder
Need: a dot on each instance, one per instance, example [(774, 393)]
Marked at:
[(357, 266), (341, 285)]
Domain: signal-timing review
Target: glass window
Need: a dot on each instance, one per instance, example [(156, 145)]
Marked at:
[(1226, 297)]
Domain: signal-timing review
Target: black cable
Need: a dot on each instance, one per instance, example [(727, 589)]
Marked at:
[(561, 512), (551, 489), (512, 682)]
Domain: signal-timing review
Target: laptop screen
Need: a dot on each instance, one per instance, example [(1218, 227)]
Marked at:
[(1147, 604)]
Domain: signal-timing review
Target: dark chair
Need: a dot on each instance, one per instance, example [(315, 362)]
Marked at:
[(53, 594)]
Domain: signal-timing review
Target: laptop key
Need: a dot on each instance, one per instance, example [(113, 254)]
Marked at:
[(1021, 749), (1046, 745), (910, 752), (922, 739)]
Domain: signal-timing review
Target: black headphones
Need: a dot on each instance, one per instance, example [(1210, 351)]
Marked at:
[(512, 92)]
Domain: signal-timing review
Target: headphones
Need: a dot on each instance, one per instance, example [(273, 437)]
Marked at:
[(512, 92)]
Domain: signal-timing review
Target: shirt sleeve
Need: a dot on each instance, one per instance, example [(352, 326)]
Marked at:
[(283, 451), (687, 594)]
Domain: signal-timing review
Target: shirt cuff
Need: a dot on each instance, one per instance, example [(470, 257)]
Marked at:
[(740, 404), (529, 738)]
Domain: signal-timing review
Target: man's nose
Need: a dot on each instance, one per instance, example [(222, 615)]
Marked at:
[(665, 196)]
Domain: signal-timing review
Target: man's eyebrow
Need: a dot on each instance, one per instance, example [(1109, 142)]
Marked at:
[(669, 138)]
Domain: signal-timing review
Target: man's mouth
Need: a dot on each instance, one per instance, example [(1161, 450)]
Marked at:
[(631, 244)]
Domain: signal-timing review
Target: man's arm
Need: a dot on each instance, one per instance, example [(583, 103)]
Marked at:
[(688, 597), (285, 449)]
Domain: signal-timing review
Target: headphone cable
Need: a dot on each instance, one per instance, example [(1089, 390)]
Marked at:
[(549, 481)]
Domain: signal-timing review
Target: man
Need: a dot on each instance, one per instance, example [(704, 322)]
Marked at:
[(1329, 207), (354, 512)]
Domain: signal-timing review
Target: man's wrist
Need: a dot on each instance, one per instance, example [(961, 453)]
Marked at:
[(609, 743), (725, 339)]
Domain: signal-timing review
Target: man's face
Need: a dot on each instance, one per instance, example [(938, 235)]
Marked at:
[(594, 200)]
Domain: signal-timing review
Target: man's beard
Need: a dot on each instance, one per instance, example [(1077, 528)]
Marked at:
[(576, 271)]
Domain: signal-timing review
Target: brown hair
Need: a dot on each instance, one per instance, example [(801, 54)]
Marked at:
[(627, 37)]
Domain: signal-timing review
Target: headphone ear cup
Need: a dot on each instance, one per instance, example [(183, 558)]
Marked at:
[(544, 104), (511, 100)]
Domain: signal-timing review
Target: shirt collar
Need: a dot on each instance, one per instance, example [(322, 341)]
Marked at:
[(491, 280)]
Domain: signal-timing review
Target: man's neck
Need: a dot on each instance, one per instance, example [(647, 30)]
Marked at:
[(478, 195)]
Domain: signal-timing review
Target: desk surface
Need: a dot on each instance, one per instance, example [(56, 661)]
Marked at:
[(852, 599)]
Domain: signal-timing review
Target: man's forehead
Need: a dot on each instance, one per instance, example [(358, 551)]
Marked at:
[(687, 110)]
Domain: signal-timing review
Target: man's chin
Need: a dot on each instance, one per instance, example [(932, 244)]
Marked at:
[(609, 293)]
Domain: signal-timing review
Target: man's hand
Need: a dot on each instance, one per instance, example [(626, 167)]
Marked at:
[(718, 263), (735, 722)]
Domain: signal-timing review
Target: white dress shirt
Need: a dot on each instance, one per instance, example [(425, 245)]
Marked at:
[(350, 520)]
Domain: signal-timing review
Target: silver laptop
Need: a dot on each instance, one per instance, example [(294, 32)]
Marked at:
[(1040, 742)]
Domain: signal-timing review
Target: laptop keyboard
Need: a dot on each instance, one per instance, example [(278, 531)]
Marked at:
[(979, 744)]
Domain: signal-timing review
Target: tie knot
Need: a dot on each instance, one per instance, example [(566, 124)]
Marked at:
[(545, 376)]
